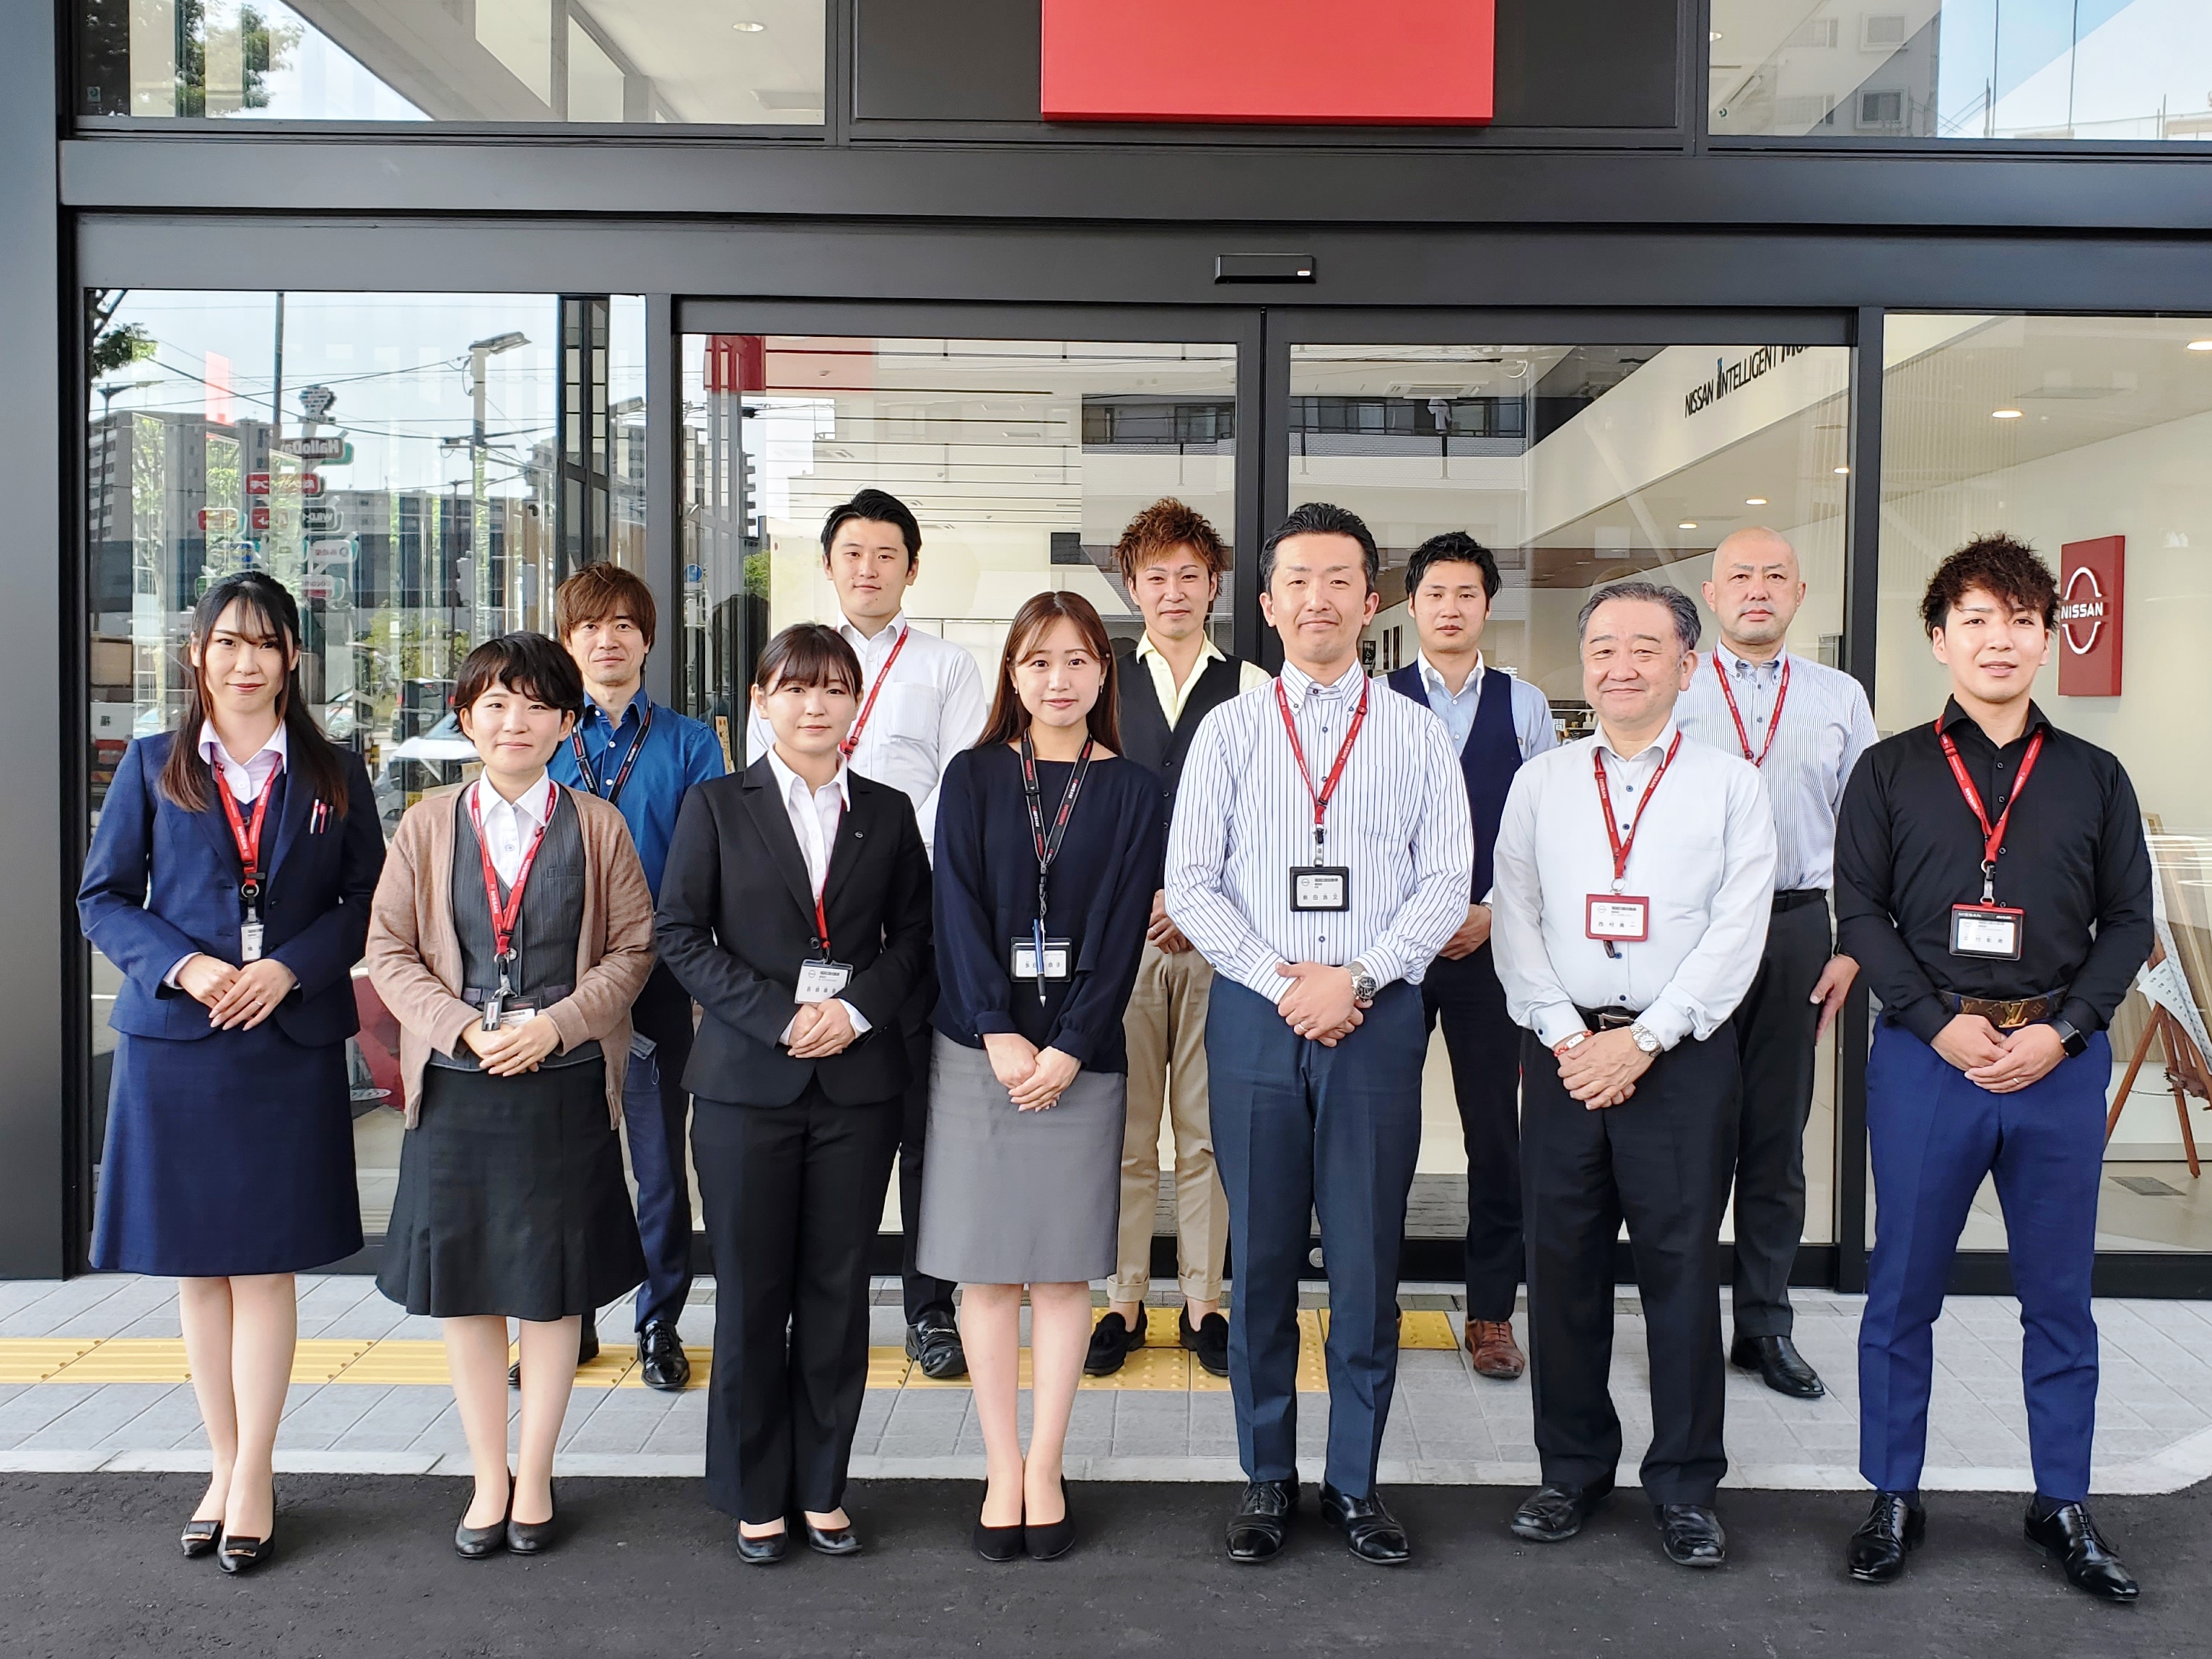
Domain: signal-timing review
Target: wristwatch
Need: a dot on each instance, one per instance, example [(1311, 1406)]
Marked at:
[(1363, 984), (1646, 1039), (2075, 1040)]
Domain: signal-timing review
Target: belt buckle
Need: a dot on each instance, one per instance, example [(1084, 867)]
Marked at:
[(2013, 1014), (1614, 1019)]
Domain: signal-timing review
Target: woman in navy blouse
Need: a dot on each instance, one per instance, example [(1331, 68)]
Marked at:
[(230, 881), (1046, 845)]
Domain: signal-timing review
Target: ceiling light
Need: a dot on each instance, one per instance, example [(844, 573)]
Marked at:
[(1843, 472), (2004, 414), (1713, 35), (1687, 524), (2200, 345), (749, 27), (1754, 500)]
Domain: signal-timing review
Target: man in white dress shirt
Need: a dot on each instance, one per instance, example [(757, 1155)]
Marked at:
[(1804, 726), (921, 703), (1635, 870), (1319, 859)]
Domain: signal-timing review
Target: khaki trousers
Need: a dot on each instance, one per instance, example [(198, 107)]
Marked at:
[(1165, 1029)]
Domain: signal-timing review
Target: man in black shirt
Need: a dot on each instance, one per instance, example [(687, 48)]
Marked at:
[(1993, 883)]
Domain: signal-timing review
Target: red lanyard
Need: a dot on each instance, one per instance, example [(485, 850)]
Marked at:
[(621, 777), (248, 836), (504, 916), (1321, 797), (821, 917), (1774, 721), (1992, 837), (853, 737), (1621, 847)]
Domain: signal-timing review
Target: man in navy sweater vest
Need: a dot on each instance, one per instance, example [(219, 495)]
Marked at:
[(1496, 722)]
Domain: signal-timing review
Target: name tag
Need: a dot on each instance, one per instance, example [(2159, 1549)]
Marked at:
[(1618, 917), (1057, 953), (1322, 887), (249, 941), (1991, 932), (818, 981)]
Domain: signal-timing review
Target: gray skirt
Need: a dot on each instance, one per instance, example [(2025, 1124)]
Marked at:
[(1010, 1197)]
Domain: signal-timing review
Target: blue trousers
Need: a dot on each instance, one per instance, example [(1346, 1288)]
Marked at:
[(656, 1110), (1934, 1135), (1300, 1129)]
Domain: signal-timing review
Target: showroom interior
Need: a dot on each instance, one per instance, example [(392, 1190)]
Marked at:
[(422, 304)]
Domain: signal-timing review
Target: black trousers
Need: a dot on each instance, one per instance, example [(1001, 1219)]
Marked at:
[(793, 1196), (1485, 1046), (923, 1293), (1774, 1026), (1660, 1161)]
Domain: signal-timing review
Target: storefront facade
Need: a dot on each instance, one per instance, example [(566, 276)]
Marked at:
[(422, 305)]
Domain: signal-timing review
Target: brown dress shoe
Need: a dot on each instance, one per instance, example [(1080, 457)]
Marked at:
[(1496, 1354)]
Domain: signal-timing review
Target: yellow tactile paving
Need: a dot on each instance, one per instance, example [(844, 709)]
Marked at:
[(1164, 1366), (34, 1360)]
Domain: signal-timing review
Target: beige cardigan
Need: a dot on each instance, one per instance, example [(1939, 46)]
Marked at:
[(414, 954)]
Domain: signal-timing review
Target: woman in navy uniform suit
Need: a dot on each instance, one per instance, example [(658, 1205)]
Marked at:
[(230, 880)]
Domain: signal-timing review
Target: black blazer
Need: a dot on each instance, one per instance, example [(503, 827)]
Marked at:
[(736, 917)]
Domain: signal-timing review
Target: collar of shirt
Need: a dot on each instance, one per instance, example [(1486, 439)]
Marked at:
[(1743, 667), (1954, 717), (1298, 685), (1434, 680), (245, 779), (795, 790), (1207, 651), (1654, 751), (634, 709), (864, 647), (533, 807)]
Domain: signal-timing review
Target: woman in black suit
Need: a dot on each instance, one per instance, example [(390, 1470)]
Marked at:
[(230, 880), (795, 908)]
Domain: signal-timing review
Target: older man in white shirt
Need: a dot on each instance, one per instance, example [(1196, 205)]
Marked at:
[(1635, 870)]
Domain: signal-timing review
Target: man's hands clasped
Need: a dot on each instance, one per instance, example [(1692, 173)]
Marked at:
[(1319, 1004), (1601, 1071), (2000, 1062)]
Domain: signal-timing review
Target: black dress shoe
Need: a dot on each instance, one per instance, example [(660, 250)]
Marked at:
[(1371, 1531), (237, 1554), (1779, 1365), (832, 1541), (2069, 1534), (1208, 1339), (997, 1543), (199, 1538), (587, 1350), (529, 1537), (1054, 1538), (661, 1360), (1552, 1514), (1263, 1517), (762, 1552), (1690, 1534), (1112, 1340), (474, 1543), (1876, 1555), (935, 1343)]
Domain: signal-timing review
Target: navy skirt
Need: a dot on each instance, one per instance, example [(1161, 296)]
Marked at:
[(511, 1199), (229, 1155)]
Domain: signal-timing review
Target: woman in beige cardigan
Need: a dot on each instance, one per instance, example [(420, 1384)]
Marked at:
[(510, 933)]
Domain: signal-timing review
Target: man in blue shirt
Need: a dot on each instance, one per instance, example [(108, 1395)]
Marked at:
[(642, 757)]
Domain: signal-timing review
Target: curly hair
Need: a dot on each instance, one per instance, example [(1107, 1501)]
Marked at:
[(1996, 564), (1161, 528)]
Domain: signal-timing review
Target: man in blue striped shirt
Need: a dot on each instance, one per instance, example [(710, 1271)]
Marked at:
[(1318, 859), (1804, 726)]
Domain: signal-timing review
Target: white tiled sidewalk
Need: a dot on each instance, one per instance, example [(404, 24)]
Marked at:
[(2153, 1431)]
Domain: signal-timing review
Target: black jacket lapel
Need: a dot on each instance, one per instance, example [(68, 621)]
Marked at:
[(773, 820)]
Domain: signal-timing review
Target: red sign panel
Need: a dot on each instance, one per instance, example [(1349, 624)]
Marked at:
[(1394, 62), (2092, 597)]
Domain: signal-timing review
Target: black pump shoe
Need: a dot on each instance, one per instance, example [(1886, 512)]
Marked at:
[(529, 1537), (832, 1541), (997, 1543), (1051, 1541), (475, 1543), (237, 1554), (199, 1538), (764, 1551)]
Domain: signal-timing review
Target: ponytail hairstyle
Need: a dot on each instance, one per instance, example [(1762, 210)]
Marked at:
[(1009, 718), (270, 613)]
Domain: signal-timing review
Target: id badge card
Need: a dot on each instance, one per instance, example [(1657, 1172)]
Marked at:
[(249, 941), (819, 982), (1990, 932), (502, 1012), (1057, 955), (1322, 887), (1617, 918)]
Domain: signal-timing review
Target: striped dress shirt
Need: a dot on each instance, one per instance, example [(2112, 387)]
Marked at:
[(1826, 726), (1244, 820)]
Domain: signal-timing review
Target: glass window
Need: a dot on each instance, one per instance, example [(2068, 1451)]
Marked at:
[(760, 62), (2084, 437), (1578, 465), (401, 462), (1962, 68)]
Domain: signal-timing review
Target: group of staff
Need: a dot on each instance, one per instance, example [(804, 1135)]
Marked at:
[(998, 935)]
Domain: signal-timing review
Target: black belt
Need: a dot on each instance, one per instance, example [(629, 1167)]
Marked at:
[(544, 996), (1609, 1019), (1798, 897), (2006, 1013)]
